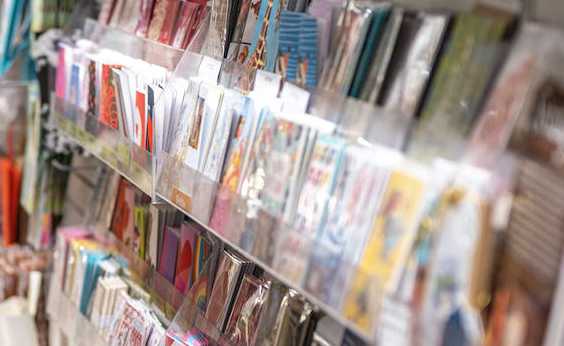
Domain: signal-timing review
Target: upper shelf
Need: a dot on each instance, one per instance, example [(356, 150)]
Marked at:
[(129, 44)]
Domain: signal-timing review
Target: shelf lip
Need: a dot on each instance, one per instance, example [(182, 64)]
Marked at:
[(115, 38), (331, 312), (106, 162), (57, 117)]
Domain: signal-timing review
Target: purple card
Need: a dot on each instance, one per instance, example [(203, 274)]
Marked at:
[(169, 250)]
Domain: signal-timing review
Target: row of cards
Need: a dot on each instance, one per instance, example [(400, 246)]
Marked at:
[(399, 87), (407, 61), (435, 67), (171, 22), (119, 91)]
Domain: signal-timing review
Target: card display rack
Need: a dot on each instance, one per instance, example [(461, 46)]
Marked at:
[(195, 195), (239, 219), (261, 238)]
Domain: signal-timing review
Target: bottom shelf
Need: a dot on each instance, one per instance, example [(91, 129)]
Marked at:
[(66, 317)]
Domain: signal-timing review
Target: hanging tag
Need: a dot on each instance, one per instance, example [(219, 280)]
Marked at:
[(209, 69), (182, 200), (294, 99), (267, 84)]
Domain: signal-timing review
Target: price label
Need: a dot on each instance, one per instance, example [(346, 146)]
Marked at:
[(181, 199), (294, 99), (267, 84), (209, 69)]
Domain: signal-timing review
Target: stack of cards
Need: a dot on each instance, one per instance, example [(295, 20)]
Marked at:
[(227, 281), (297, 52), (108, 289), (133, 323), (244, 30), (131, 218)]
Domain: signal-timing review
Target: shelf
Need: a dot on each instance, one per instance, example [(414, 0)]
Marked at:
[(105, 143), (260, 238), (129, 44), (77, 328)]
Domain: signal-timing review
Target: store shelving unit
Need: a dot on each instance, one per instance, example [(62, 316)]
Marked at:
[(171, 182), (195, 195)]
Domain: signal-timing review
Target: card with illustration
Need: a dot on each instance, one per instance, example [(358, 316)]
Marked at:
[(391, 238)]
